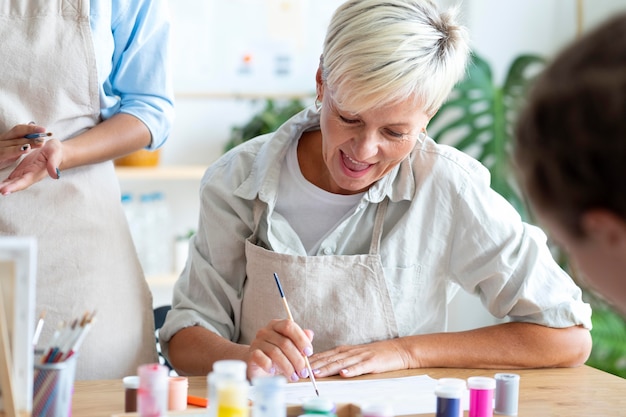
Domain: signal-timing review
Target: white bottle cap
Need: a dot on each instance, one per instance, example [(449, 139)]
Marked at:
[(232, 368), (481, 382), (377, 410)]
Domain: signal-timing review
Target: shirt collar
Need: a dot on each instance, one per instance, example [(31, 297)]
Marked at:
[(398, 184)]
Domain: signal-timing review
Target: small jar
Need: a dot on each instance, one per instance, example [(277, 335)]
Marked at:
[(319, 406), (377, 410), (131, 384), (507, 394), (152, 392), (223, 370), (269, 397), (228, 389), (449, 392), (481, 396), (177, 393)]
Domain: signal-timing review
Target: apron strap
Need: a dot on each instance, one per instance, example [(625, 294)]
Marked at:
[(377, 233), (257, 211), (83, 7)]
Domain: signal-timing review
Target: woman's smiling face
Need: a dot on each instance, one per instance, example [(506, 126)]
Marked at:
[(359, 149)]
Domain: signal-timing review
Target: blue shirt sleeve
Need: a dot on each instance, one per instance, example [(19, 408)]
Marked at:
[(131, 40)]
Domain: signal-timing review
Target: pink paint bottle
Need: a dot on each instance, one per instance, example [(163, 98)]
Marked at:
[(152, 392), (481, 396)]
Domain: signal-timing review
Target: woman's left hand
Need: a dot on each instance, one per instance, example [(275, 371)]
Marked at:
[(349, 361), (34, 167)]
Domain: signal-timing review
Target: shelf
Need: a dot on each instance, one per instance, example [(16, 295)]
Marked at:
[(162, 280), (166, 172)]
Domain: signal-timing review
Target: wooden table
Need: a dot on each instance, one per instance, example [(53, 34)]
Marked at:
[(567, 392)]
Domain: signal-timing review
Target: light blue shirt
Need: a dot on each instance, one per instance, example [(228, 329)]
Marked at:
[(444, 229), (131, 42)]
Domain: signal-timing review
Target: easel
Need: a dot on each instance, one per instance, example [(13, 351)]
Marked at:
[(17, 299)]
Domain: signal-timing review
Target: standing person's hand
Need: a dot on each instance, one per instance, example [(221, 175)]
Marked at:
[(34, 167), (13, 144)]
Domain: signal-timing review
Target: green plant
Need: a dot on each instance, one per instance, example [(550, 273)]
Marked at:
[(267, 120), (609, 338), (478, 119), (479, 116)]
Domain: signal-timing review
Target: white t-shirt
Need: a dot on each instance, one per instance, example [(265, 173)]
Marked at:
[(311, 211)]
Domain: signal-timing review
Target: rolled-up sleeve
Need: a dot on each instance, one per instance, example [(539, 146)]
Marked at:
[(140, 81), (209, 291), (508, 264)]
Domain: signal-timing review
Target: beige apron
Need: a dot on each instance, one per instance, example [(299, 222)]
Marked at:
[(86, 258), (342, 298)]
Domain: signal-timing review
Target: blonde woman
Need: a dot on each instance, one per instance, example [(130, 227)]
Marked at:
[(371, 227)]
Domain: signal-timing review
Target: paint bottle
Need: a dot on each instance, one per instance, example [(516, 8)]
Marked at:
[(377, 410), (152, 391), (481, 396), (319, 406), (449, 392), (224, 369), (269, 397), (177, 393), (131, 384), (507, 394), (228, 389)]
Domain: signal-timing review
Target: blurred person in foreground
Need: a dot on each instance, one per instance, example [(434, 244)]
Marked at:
[(570, 153)]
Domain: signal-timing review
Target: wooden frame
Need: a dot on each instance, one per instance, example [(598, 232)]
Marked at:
[(17, 316)]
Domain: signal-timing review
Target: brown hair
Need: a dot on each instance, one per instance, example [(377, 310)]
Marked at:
[(570, 141)]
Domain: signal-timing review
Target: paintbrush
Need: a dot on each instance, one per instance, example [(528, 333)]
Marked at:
[(306, 360)]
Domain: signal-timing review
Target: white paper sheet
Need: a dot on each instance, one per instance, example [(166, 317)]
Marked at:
[(407, 395)]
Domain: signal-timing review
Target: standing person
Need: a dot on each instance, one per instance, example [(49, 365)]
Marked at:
[(95, 75), (370, 225), (570, 149)]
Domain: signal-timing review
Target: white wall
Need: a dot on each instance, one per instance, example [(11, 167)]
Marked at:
[(213, 84), (210, 37), (501, 30)]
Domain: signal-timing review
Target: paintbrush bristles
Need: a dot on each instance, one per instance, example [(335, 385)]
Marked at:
[(280, 288)]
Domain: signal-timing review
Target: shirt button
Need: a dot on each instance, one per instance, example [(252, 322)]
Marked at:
[(328, 251)]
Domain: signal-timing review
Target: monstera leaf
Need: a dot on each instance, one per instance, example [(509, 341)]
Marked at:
[(479, 116), (609, 338)]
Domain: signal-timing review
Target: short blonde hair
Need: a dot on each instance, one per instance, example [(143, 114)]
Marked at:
[(379, 52)]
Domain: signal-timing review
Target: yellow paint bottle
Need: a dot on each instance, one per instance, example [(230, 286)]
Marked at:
[(231, 394), (232, 399)]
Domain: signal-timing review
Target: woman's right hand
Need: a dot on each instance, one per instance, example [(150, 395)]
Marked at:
[(278, 349), (13, 144)]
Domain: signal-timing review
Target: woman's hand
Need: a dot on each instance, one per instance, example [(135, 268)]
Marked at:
[(349, 361), (278, 349), (34, 167), (13, 144)]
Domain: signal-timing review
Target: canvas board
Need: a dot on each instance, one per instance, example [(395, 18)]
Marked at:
[(18, 257)]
